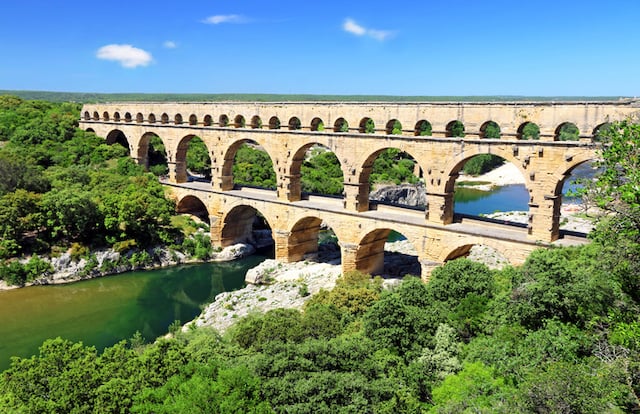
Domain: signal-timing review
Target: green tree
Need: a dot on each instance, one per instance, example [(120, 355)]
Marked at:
[(568, 132), (530, 131)]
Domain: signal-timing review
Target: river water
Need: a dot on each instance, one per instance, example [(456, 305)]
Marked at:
[(105, 310)]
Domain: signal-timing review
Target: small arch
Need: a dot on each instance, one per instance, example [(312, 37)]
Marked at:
[(105, 115), (423, 128), (192, 205), (193, 119), (367, 126), (393, 127), (96, 116), (127, 117), (317, 124), (164, 119), (455, 129), (239, 224), (567, 131), (294, 123), (601, 131), (152, 118), (490, 130), (528, 131), (208, 120), (116, 116), (341, 125), (87, 116), (239, 122), (274, 123), (139, 118), (90, 130), (256, 122), (223, 121), (177, 119)]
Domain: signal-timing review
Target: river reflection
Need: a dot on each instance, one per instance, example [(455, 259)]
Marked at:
[(103, 311)]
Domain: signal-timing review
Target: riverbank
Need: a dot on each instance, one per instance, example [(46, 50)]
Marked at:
[(506, 174), (104, 262)]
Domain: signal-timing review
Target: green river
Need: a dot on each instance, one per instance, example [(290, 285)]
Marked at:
[(105, 310)]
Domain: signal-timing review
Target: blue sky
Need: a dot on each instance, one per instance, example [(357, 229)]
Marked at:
[(401, 47)]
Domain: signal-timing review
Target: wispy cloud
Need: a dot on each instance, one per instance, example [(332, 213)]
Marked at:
[(170, 44), (225, 18), (350, 26), (127, 55)]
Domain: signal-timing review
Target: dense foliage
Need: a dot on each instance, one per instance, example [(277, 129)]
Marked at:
[(60, 185)]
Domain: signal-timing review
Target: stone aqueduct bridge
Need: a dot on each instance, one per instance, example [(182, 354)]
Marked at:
[(287, 130)]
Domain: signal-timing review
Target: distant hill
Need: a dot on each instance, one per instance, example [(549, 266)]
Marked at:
[(90, 97)]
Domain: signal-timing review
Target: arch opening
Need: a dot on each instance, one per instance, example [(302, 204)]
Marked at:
[(423, 128), (388, 253), (96, 116), (455, 129), (256, 122), (153, 154), (193, 156), (294, 123), (152, 118), (193, 119), (391, 176), (601, 132), (105, 115), (313, 240), (317, 124), (490, 130), (529, 131), (394, 127), (127, 117), (177, 119), (489, 188), (249, 165), (207, 120), (164, 118), (194, 208), (367, 126), (274, 122), (117, 137), (245, 224), (239, 122), (567, 131), (341, 125), (223, 121), (480, 253), (318, 170), (578, 206), (139, 118), (86, 116)]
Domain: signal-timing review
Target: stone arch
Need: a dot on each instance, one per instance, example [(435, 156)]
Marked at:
[(223, 120), (157, 157), (600, 130), (181, 157), (193, 119), (116, 116), (164, 118), (367, 126), (317, 124), (393, 127), (90, 130), (139, 118), (177, 119), (229, 159), (297, 159), (370, 253), (105, 115), (191, 204), (86, 116), (127, 117), (490, 129), (256, 122), (423, 128), (464, 248), (207, 120), (294, 123), (366, 168), (341, 125), (303, 238), (566, 131), (455, 128), (96, 116), (274, 122), (152, 118), (118, 137), (236, 226), (239, 122), (528, 130), (564, 171)]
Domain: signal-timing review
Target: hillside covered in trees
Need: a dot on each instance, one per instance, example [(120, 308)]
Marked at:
[(560, 333)]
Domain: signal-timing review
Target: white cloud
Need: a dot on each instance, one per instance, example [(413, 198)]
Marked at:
[(225, 18), (170, 44), (350, 26), (127, 55)]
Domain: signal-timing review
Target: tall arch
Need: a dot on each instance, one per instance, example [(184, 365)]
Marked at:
[(227, 171), (152, 153), (181, 172), (329, 181)]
